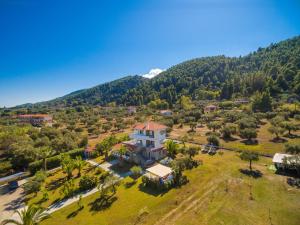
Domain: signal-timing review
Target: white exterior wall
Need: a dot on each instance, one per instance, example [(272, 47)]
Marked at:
[(157, 139)]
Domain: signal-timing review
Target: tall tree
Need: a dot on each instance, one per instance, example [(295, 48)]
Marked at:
[(79, 164), (44, 153), (249, 156)]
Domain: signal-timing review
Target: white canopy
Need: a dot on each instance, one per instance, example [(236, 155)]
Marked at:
[(278, 157), (159, 170)]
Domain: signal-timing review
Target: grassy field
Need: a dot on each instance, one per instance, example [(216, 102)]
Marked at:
[(218, 193), (265, 143)]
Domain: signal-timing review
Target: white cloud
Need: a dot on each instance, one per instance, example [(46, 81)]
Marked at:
[(152, 73)]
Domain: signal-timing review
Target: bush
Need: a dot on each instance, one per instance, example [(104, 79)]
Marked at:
[(40, 176), (213, 140), (5, 167), (292, 148), (53, 162), (103, 176), (185, 162), (156, 184), (228, 130), (32, 186), (87, 182), (248, 133), (136, 171)]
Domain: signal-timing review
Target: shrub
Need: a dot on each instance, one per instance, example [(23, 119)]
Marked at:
[(185, 162), (228, 130), (32, 186), (136, 171), (40, 176), (248, 133), (292, 148), (5, 167), (213, 140), (87, 182), (103, 176), (247, 122), (53, 161)]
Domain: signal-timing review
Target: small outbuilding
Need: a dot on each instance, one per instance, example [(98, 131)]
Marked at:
[(159, 172), (278, 160)]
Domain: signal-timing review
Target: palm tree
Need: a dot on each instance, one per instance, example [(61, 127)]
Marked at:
[(78, 164), (171, 147), (44, 153), (67, 165), (122, 151), (32, 215), (104, 147)]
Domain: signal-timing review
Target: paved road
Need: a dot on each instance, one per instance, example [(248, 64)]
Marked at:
[(11, 201), (61, 204)]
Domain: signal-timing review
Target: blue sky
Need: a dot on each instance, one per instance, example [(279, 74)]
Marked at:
[(51, 48)]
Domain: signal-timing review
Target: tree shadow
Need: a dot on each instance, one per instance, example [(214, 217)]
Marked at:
[(250, 142), (152, 190), (191, 131), (292, 136), (74, 213), (55, 184), (278, 140), (287, 173), (129, 184), (251, 173), (14, 204), (102, 203), (229, 139), (55, 201)]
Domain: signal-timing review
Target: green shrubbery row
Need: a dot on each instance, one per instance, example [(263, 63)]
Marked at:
[(54, 161)]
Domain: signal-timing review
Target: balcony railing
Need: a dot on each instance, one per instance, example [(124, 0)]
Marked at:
[(137, 135)]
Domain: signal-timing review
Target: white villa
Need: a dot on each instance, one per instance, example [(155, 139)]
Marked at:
[(147, 143)]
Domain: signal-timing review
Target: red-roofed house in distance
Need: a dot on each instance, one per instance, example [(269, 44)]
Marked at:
[(36, 119), (210, 108), (147, 143)]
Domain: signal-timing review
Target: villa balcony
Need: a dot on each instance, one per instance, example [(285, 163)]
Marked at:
[(139, 136)]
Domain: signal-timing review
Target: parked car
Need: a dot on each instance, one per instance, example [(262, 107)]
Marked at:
[(12, 185)]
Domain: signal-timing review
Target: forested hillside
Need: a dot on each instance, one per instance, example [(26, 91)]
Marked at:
[(101, 94), (275, 69)]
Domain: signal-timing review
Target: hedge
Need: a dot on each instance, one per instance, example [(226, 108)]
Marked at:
[(53, 161)]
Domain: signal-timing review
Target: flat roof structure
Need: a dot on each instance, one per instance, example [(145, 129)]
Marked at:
[(159, 170), (278, 157)]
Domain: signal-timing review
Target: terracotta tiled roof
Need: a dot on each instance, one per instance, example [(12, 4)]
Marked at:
[(150, 126)]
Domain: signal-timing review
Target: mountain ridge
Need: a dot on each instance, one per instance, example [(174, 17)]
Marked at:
[(274, 68)]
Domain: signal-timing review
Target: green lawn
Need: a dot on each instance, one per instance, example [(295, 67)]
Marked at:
[(218, 193)]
